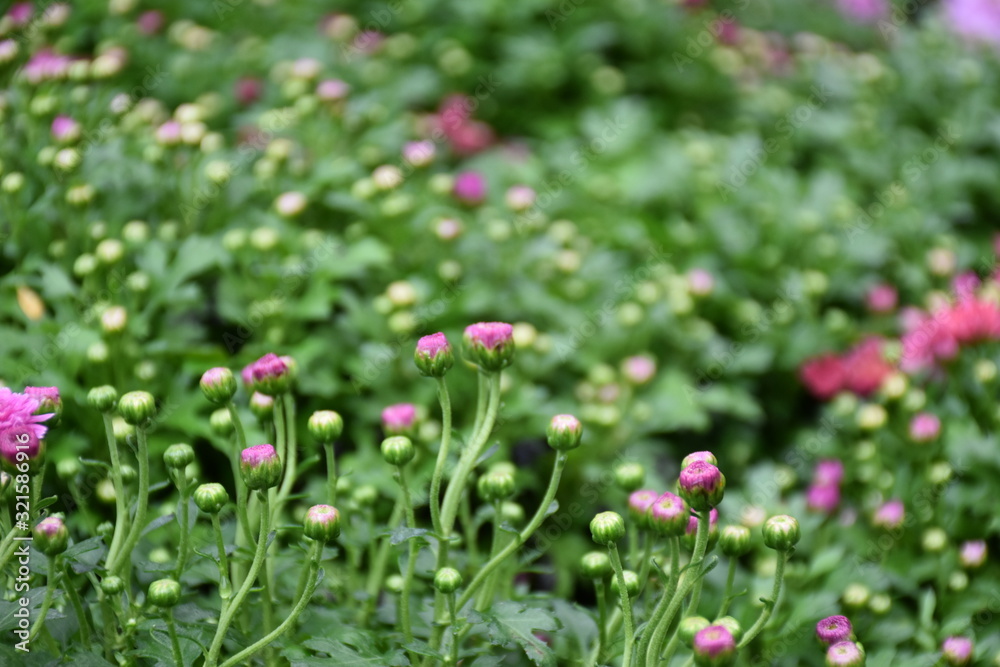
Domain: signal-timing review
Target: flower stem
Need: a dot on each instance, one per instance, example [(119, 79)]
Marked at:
[(376, 572), (727, 598), (404, 596), (315, 555), (664, 601), (225, 587), (50, 586), (684, 586), (74, 599), (331, 473), (291, 448), (241, 491), (769, 604), (616, 565), (453, 660), (489, 590), (444, 398), (182, 514), (121, 512), (124, 557), (601, 591), (175, 643), (226, 616)]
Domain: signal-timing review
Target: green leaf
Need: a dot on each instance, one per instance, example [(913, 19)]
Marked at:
[(404, 533), (509, 624), (84, 556), (45, 502)]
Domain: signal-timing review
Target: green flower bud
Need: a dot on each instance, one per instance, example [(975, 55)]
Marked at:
[(219, 385), (497, 484), (596, 565), (68, 469), (631, 583), (260, 467), (262, 406), (856, 596), (365, 495), (51, 536), (564, 433), (105, 491), (512, 513), (221, 422), (178, 456), (447, 580), (607, 528), (103, 398), (880, 604), (433, 355), (691, 626), (326, 425), (137, 407), (211, 498), (129, 474), (322, 523), (106, 530), (781, 532), (731, 624), (630, 476), (122, 430), (394, 584), (164, 593), (112, 585), (735, 541), (398, 450)]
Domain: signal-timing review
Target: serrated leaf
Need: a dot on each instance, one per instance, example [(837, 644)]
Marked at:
[(510, 624), (84, 556), (45, 502), (404, 533)]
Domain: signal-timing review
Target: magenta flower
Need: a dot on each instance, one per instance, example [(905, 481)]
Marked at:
[(668, 515), (890, 515), (48, 399), (833, 629), (704, 456), (639, 369), (490, 344), (260, 467), (829, 472), (639, 503), (882, 298), (65, 129), (331, 90), (248, 90), (700, 282), (714, 644), (470, 187), (845, 654), (269, 375), (419, 153), (702, 485), (957, 650), (824, 376), (972, 554), (151, 22), (399, 419), (20, 13), (924, 427), (21, 429), (433, 345), (823, 498), (974, 20)]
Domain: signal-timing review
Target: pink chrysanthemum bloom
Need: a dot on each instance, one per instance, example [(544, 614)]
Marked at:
[(639, 369), (882, 298), (974, 20), (833, 629), (890, 515), (823, 498), (399, 419), (639, 503), (823, 376), (863, 11), (65, 129), (924, 427), (865, 367), (470, 187), (829, 472), (972, 554), (269, 375), (21, 430), (714, 645), (957, 650)]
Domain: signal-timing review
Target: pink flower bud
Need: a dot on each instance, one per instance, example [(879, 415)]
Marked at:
[(924, 427), (972, 554), (419, 153), (470, 187), (65, 129), (490, 344), (399, 419), (332, 90), (151, 22), (829, 472), (882, 298), (890, 515), (700, 282), (834, 629), (823, 498), (270, 375), (639, 369), (702, 485), (957, 650)]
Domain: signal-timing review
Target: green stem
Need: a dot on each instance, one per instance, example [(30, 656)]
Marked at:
[(331, 473), (633, 549), (377, 572), (647, 559), (616, 564), (241, 491), (727, 598), (175, 644), (665, 599), (74, 599), (489, 590), (225, 587), (315, 555), (411, 521), (684, 586), (291, 448), (121, 512), (454, 629), (226, 616), (444, 398), (182, 513), (522, 537), (124, 557), (769, 605), (601, 590), (50, 586)]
